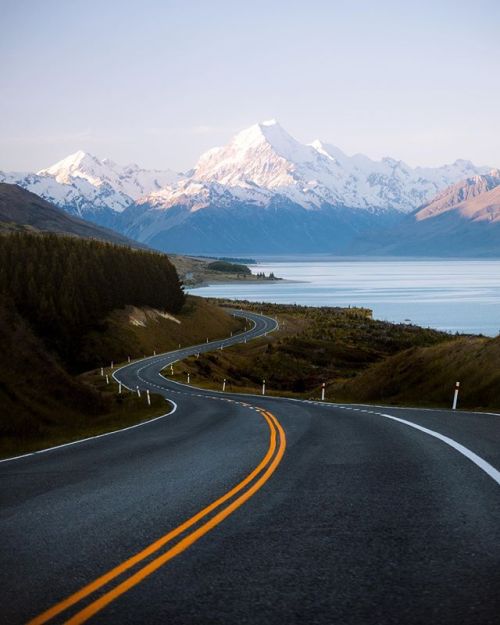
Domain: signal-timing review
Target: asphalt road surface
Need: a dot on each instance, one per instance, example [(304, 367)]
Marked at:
[(257, 510)]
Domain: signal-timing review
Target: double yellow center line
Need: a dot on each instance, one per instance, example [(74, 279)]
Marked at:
[(226, 505)]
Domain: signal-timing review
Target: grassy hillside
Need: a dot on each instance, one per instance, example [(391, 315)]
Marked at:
[(67, 305), (136, 331), (359, 359), (426, 376), (312, 346), (64, 287), (42, 405)]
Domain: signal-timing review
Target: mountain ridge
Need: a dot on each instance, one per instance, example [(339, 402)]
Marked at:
[(263, 188), (462, 221)]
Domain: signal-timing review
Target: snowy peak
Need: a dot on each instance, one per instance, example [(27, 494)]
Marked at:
[(79, 165), (113, 186), (268, 157), (273, 136), (130, 180), (261, 155), (83, 184), (262, 165)]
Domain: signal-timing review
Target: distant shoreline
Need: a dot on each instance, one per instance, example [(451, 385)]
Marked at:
[(253, 282)]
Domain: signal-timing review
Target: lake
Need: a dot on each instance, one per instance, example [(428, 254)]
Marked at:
[(452, 295)]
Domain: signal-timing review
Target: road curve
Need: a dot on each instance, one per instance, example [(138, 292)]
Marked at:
[(258, 510)]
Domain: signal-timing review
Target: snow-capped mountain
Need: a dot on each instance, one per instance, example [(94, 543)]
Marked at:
[(129, 180), (263, 191), (264, 161), (89, 187)]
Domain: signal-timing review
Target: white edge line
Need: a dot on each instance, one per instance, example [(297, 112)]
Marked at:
[(458, 411), (477, 460)]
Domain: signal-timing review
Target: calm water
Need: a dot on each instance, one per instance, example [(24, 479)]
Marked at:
[(461, 296)]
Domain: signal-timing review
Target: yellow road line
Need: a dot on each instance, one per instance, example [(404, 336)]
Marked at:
[(99, 604)]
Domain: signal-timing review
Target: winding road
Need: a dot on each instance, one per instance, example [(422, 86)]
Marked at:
[(238, 509)]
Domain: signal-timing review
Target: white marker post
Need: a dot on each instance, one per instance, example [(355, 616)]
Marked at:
[(112, 365), (455, 396), (138, 391), (263, 387), (129, 358), (102, 371), (119, 388), (172, 369), (189, 378), (224, 385), (148, 397), (207, 340), (107, 379), (323, 392), (154, 352)]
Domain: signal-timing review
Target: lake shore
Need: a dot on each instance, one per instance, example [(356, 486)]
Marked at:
[(195, 272), (450, 295)]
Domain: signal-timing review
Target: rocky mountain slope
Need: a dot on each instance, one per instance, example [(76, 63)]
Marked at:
[(462, 221)]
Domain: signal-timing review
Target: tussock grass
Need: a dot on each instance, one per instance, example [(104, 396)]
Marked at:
[(359, 359)]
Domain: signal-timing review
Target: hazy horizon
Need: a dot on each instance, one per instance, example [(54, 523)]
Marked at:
[(158, 83)]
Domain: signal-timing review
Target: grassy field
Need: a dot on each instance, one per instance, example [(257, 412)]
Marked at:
[(358, 358)]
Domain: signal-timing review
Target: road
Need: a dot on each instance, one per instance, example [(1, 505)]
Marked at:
[(237, 509)]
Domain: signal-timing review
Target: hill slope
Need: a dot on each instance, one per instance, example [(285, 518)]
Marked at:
[(360, 360), (426, 376), (64, 286), (67, 305), (22, 210)]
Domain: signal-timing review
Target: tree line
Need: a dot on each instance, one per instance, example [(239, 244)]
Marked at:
[(65, 286)]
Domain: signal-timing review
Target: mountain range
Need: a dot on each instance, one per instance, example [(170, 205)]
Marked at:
[(264, 192)]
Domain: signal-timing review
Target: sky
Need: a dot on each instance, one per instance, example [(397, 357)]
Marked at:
[(158, 82)]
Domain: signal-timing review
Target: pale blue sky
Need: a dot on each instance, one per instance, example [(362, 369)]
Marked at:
[(158, 82)]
